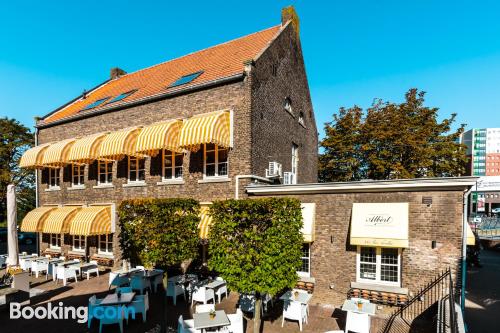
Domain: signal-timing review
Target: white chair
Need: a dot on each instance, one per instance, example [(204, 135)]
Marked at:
[(93, 304), (236, 320), (140, 268), (62, 258), (140, 305), (186, 326), (65, 273), (106, 319), (221, 290), (203, 295), (139, 282), (39, 267), (357, 322), (204, 308), (91, 269), (294, 311), (303, 292), (174, 290)]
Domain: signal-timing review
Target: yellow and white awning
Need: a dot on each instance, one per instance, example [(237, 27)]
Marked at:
[(90, 221), (86, 149), (308, 220), (118, 144), (34, 221), (57, 153), (471, 240), (59, 220), (155, 137), (214, 127), (32, 158), (380, 224), (205, 221)]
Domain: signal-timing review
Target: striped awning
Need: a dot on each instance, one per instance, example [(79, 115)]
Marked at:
[(471, 239), (32, 158), (57, 153), (205, 221), (212, 127), (155, 137), (86, 149), (118, 144), (90, 221), (59, 220), (35, 219)]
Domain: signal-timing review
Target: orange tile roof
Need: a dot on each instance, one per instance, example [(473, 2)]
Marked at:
[(216, 62)]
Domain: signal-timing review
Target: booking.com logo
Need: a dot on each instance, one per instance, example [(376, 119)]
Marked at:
[(69, 312)]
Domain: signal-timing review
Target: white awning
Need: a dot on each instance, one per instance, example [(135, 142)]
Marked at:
[(380, 224), (471, 240), (308, 218)]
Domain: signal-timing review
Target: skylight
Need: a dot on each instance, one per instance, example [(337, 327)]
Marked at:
[(185, 79), (96, 103), (122, 96)]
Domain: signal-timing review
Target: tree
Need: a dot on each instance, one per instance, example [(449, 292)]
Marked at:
[(255, 245), (15, 139), (391, 141)]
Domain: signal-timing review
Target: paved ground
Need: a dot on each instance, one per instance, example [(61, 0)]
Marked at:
[(483, 294)]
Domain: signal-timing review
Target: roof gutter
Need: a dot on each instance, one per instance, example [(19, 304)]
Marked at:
[(145, 100)]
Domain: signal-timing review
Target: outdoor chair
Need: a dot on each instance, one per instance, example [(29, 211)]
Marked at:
[(203, 295), (124, 290), (204, 308), (118, 280), (174, 290), (40, 266), (140, 305), (294, 311), (116, 319), (63, 273), (92, 269), (158, 280), (221, 290), (93, 304), (236, 320), (62, 258), (140, 268), (186, 326), (304, 292), (247, 303), (139, 282), (357, 322)]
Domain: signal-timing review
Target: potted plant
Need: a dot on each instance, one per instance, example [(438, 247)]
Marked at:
[(360, 304), (211, 314)]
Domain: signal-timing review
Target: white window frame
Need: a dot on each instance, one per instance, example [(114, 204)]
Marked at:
[(57, 239), (79, 175), (136, 171), (295, 162), (54, 177), (216, 162), (109, 244), (108, 172), (287, 105), (378, 263), (82, 241), (172, 156), (308, 273)]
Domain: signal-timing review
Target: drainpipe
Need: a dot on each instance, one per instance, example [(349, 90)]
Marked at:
[(36, 193), (238, 177), (464, 248)]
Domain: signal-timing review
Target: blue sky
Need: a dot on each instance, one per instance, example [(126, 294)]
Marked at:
[(354, 50)]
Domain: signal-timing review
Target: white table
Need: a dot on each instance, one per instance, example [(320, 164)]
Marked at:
[(113, 299), (368, 308), (202, 320), (302, 297), (215, 284)]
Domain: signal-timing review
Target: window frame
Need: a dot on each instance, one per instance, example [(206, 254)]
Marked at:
[(80, 176), (287, 105), (108, 172), (137, 170), (215, 163), (81, 240), (173, 167), (295, 162), (308, 258), (54, 174), (58, 241), (378, 267), (109, 244)]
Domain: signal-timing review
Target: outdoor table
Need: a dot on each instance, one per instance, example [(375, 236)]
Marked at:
[(202, 320), (302, 297), (66, 265), (215, 284), (113, 299), (51, 268), (350, 305), (85, 266), (120, 273)]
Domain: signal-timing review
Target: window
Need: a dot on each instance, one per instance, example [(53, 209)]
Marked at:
[(136, 169), (379, 265), (105, 244), (305, 270), (295, 162), (301, 118), (77, 175), (54, 178), (105, 172), (288, 105), (79, 243), (172, 165), (95, 104), (122, 96), (55, 241), (185, 79), (215, 161)]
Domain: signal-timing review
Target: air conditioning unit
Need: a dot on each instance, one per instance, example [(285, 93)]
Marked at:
[(274, 170), (288, 178)]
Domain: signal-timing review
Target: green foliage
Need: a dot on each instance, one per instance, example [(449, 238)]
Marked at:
[(255, 244), (15, 139), (159, 232), (391, 141)]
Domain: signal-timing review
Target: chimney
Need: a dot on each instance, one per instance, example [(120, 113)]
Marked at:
[(289, 14), (116, 73)]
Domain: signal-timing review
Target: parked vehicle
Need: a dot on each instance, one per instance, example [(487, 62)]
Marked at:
[(496, 210)]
